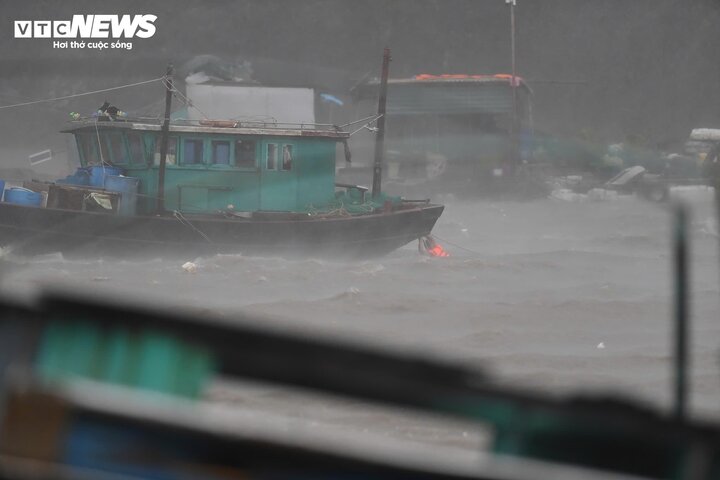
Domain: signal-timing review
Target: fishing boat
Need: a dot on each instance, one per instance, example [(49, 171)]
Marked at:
[(156, 187)]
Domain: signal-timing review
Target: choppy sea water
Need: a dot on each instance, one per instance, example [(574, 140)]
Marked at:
[(567, 294)]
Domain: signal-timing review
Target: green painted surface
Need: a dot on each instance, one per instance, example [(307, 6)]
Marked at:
[(118, 356), (351, 202), (315, 173), (533, 432), (207, 173), (147, 360), (278, 187)]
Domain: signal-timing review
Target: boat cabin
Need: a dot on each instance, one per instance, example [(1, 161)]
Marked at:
[(217, 165)]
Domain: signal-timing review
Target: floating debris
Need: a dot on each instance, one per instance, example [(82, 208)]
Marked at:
[(189, 267)]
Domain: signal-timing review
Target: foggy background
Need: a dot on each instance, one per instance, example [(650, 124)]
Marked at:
[(534, 288), (600, 69)]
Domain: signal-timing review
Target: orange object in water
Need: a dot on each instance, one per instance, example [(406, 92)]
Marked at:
[(428, 246), (438, 251)]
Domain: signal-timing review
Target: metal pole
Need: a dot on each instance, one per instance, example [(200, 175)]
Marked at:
[(380, 138), (513, 147), (512, 55), (681, 311), (164, 140)]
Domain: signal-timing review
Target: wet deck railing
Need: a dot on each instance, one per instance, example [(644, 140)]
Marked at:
[(253, 123)]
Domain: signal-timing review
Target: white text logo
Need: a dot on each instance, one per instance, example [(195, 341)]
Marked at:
[(88, 26)]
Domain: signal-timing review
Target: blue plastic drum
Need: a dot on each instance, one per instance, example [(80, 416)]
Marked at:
[(127, 186), (23, 196), (80, 177), (99, 172)]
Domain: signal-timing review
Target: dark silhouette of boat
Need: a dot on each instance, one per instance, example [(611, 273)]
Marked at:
[(151, 187)]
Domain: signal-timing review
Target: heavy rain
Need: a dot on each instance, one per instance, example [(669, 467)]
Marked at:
[(566, 139)]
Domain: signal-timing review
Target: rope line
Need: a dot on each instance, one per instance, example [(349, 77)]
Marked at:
[(366, 126), (372, 118), (99, 146), (187, 101), (474, 252), (81, 94), (181, 218)]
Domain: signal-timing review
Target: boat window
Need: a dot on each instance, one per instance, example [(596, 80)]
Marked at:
[(170, 158), (87, 144), (137, 152), (221, 152), (245, 153), (104, 149), (287, 157), (117, 148), (192, 151), (271, 163)]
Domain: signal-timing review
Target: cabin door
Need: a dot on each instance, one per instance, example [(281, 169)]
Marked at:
[(278, 178)]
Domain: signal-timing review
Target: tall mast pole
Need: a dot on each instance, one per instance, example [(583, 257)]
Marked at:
[(380, 138), (682, 317), (164, 140), (514, 149), (512, 56)]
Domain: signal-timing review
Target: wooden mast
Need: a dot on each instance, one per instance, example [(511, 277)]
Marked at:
[(380, 139)]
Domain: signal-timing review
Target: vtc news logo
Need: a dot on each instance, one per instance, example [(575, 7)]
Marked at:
[(88, 26)]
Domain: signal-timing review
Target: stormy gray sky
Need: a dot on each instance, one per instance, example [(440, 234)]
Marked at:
[(610, 67)]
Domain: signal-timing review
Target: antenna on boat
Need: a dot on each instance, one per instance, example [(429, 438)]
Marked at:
[(164, 139), (380, 138), (681, 310)]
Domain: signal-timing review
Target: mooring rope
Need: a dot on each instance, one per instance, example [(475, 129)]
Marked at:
[(181, 218), (366, 126), (474, 252), (187, 101), (82, 94)]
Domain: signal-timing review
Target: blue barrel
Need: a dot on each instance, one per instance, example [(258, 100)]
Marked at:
[(23, 196), (80, 177), (2, 188), (98, 174), (127, 186)]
